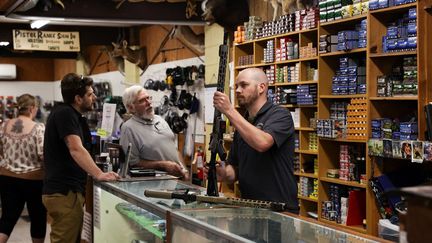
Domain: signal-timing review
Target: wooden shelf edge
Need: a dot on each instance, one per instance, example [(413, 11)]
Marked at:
[(392, 54), (294, 83), (342, 182), (341, 53), (309, 175), (389, 9), (313, 152), (343, 140), (280, 35), (354, 18), (358, 228), (305, 129), (296, 60), (342, 96), (307, 199), (296, 106), (395, 98)]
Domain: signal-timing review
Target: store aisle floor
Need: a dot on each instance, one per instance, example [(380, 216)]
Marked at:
[(21, 232)]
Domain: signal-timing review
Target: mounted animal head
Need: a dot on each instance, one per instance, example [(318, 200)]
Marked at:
[(138, 57), (227, 13), (188, 37), (290, 6)]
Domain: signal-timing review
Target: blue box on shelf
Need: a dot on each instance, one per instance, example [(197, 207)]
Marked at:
[(412, 42), (408, 127), (383, 3), (407, 136), (412, 13)]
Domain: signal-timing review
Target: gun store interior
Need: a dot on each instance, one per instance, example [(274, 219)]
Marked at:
[(170, 121)]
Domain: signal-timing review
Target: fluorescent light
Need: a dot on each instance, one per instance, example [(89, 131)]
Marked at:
[(4, 43), (37, 24)]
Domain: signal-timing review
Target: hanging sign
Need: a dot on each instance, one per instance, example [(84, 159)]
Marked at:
[(46, 40)]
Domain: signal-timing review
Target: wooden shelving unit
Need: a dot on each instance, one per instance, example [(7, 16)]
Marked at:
[(377, 64)]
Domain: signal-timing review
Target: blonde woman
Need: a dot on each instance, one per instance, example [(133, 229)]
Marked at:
[(21, 173)]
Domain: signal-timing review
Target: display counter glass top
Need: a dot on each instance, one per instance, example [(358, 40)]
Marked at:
[(133, 191), (251, 225)]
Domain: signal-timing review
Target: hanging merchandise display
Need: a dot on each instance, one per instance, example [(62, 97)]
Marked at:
[(1, 110), (10, 107)]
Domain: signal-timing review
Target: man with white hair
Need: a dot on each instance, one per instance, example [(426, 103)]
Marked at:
[(153, 142)]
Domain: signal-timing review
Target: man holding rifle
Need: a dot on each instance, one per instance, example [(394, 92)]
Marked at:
[(262, 153)]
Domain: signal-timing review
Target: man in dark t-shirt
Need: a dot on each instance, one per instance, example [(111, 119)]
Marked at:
[(262, 154), (67, 160)]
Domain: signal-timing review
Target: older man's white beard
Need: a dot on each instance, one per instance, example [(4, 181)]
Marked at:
[(148, 115)]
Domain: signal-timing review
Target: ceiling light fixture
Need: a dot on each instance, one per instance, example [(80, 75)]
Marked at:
[(37, 24), (4, 43)]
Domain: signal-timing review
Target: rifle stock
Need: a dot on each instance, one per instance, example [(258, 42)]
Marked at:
[(216, 138), (275, 206)]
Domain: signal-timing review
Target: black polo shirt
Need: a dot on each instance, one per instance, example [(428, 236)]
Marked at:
[(62, 173), (268, 175)]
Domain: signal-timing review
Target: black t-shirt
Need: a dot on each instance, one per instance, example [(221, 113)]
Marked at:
[(62, 173), (268, 175)]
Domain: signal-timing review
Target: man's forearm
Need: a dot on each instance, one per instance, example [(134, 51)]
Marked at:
[(85, 161)]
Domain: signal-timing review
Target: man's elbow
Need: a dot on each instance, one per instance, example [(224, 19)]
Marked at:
[(264, 147)]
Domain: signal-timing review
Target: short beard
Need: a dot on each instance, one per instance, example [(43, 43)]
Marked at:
[(148, 116), (87, 108), (247, 101)]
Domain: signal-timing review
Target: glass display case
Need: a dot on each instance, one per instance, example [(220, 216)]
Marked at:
[(121, 212), (249, 225)]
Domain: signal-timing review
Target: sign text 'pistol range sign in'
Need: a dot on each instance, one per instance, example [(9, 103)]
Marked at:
[(46, 40)]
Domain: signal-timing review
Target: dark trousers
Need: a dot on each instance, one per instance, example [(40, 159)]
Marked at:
[(14, 193)]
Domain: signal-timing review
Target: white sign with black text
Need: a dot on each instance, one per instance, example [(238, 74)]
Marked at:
[(46, 40)]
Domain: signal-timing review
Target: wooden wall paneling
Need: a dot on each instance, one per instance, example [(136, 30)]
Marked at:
[(6, 4), (63, 67), (32, 69), (152, 37), (99, 59), (262, 9)]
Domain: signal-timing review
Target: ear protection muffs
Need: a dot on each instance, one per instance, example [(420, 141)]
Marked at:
[(149, 84), (201, 71), (156, 85), (193, 74), (185, 100), (164, 106), (173, 97), (162, 85), (195, 105), (178, 76), (188, 75), (177, 123)]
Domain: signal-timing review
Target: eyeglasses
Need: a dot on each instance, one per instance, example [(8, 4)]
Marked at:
[(147, 99)]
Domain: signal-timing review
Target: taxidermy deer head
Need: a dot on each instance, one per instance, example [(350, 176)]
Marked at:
[(227, 13), (188, 37), (289, 6), (138, 57)]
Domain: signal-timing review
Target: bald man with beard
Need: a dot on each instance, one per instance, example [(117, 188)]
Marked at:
[(262, 153)]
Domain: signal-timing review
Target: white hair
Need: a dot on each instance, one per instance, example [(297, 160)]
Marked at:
[(130, 94)]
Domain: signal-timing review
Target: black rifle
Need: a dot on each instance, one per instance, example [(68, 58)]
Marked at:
[(275, 206), (216, 138)]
